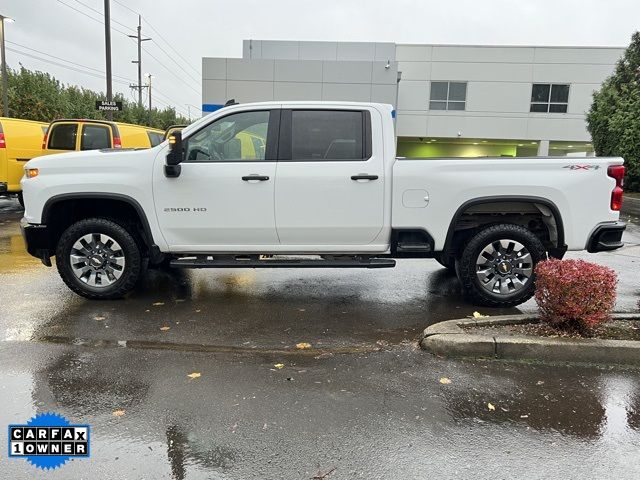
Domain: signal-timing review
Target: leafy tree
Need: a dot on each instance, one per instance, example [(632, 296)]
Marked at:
[(614, 117), (39, 96)]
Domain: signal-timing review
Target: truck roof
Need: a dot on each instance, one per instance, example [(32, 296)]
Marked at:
[(312, 102)]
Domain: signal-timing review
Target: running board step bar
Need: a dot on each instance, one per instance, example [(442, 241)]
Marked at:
[(203, 262)]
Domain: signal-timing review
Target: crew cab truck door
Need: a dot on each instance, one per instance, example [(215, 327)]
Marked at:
[(223, 198), (330, 180)]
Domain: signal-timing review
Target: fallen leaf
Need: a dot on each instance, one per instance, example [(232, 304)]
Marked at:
[(118, 413), (279, 366), (99, 317), (158, 304), (445, 380), (164, 329), (198, 311), (524, 416), (491, 407), (303, 345), (194, 375), (479, 315), (302, 309)]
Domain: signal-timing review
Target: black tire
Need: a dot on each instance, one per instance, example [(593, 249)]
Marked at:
[(21, 199), (131, 271), (467, 270), (447, 262)]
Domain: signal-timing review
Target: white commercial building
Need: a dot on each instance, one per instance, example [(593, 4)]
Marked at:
[(451, 100)]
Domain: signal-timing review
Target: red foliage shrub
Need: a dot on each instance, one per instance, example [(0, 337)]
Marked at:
[(574, 293)]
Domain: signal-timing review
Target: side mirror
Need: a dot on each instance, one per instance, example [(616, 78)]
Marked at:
[(175, 155)]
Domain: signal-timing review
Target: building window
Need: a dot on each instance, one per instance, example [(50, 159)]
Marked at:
[(549, 98), (448, 96)]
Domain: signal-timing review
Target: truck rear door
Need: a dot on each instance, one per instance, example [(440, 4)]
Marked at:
[(95, 136), (330, 180)]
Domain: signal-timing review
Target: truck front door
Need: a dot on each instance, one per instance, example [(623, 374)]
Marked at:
[(223, 198), (330, 180)]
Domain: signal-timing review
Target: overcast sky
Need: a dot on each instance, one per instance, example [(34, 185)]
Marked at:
[(213, 28)]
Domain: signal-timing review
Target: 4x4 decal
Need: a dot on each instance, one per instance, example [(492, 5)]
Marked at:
[(582, 167)]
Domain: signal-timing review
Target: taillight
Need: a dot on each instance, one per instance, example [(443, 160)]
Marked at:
[(617, 172), (116, 142), (3, 142), (44, 142)]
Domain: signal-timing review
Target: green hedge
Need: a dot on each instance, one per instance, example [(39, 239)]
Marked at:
[(614, 117)]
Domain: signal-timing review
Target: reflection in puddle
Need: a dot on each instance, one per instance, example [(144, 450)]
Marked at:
[(13, 254), (566, 406)]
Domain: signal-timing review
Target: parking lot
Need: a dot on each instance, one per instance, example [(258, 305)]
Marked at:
[(362, 402)]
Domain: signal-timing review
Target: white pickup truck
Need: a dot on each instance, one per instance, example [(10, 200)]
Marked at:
[(306, 185)]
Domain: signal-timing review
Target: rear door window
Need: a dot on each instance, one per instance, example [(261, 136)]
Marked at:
[(155, 138), (327, 135), (95, 137), (63, 136)]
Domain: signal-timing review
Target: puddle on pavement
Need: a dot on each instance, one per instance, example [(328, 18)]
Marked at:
[(606, 409)]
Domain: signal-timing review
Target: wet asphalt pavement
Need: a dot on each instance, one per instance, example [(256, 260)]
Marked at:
[(364, 402)]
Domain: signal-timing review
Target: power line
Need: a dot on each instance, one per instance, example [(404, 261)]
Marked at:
[(125, 6), (92, 18), (99, 74), (174, 61), (64, 60), (93, 74), (179, 55), (170, 71), (127, 35), (102, 14)]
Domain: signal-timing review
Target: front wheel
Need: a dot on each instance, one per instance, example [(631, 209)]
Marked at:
[(98, 259), (497, 265)]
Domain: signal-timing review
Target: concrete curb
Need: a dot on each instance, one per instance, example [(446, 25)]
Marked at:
[(448, 339)]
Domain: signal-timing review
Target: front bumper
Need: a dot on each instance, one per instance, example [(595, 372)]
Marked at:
[(606, 237), (37, 238)]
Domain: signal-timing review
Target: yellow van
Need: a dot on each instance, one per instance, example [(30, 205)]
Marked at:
[(20, 141), (76, 134)]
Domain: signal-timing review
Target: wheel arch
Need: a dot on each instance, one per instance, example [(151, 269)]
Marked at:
[(109, 205), (559, 248)]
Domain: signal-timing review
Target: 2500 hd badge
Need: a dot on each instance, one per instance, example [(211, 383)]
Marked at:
[(185, 209)]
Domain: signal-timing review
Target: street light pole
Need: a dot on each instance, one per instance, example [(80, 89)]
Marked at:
[(107, 43), (5, 88)]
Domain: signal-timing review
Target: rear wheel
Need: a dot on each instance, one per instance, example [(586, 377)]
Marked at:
[(497, 265), (98, 259)]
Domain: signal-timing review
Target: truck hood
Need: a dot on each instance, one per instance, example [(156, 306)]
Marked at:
[(89, 157)]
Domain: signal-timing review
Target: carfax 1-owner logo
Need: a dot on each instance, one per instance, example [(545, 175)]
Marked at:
[(48, 440)]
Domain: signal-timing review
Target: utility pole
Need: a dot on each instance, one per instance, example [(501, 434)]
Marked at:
[(5, 97), (149, 91), (139, 38), (107, 42)]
